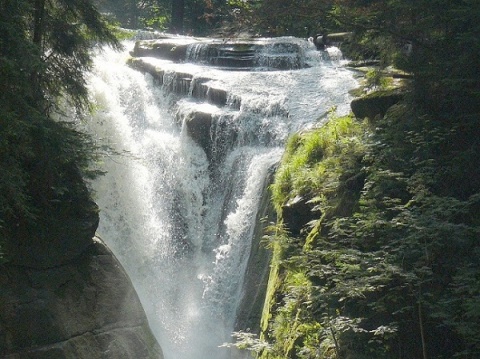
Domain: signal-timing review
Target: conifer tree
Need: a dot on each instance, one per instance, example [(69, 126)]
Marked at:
[(45, 51)]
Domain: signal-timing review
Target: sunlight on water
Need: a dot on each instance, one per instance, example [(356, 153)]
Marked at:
[(181, 225)]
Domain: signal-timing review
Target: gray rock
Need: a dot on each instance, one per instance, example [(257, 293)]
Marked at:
[(249, 313), (85, 308)]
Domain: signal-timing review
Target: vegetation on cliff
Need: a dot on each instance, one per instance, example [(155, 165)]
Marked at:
[(376, 248), (45, 51), (387, 265)]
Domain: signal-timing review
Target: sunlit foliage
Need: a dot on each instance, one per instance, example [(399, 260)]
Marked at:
[(387, 267)]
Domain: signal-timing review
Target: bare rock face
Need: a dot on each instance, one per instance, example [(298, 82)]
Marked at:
[(84, 308), (249, 313)]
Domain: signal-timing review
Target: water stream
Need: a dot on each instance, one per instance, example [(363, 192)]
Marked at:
[(179, 221)]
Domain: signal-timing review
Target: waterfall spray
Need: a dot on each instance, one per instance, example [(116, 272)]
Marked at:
[(179, 216)]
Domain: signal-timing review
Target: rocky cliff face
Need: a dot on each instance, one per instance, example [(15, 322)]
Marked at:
[(62, 294), (249, 313), (84, 308)]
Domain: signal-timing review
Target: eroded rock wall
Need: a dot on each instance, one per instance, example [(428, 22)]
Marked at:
[(249, 313), (85, 308)]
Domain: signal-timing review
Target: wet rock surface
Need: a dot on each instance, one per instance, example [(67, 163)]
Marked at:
[(237, 54)]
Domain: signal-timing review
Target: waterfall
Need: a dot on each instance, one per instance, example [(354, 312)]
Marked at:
[(180, 218)]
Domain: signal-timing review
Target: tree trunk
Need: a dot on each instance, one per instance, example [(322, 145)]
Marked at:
[(178, 13), (38, 22), (422, 329), (37, 40)]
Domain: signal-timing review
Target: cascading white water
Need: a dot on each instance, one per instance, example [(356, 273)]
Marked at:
[(180, 225)]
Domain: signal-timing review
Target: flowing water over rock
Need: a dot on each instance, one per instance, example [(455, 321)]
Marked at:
[(178, 208)]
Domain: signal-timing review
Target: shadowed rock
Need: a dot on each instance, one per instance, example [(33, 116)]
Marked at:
[(203, 128), (86, 308), (249, 313), (65, 223), (62, 294), (296, 214), (375, 104)]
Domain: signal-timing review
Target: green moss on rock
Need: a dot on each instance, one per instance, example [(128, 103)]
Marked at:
[(386, 261), (375, 104)]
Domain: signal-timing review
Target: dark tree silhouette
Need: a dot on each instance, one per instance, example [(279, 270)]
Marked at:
[(178, 14)]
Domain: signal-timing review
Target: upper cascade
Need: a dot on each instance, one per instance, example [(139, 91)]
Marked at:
[(283, 53)]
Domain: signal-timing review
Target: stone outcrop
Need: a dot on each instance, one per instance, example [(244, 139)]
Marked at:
[(183, 83), (84, 308), (375, 104), (203, 127), (334, 39), (63, 234), (64, 217), (230, 53), (167, 49), (63, 294)]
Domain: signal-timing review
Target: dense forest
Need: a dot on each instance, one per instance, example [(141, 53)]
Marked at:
[(386, 263)]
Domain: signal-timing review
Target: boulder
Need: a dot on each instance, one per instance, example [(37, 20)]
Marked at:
[(375, 104), (167, 49), (85, 308)]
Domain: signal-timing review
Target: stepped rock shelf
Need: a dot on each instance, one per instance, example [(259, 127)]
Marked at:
[(157, 56), (235, 54), (246, 54)]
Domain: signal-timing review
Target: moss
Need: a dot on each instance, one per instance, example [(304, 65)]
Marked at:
[(313, 160), (275, 277), (387, 229), (375, 104), (320, 165)]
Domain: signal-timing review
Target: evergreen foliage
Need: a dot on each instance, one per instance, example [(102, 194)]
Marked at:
[(193, 17), (45, 51), (433, 40), (388, 268)]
